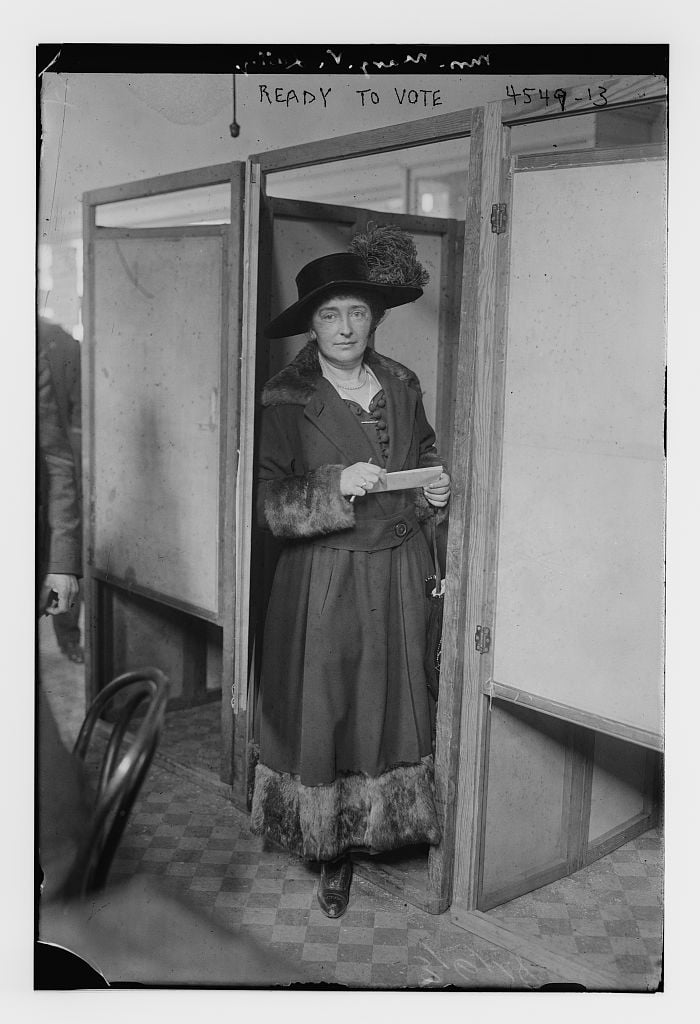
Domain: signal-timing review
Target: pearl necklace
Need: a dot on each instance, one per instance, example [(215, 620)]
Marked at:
[(349, 387)]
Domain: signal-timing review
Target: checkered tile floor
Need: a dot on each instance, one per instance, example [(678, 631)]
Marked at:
[(193, 737), (200, 849), (185, 834), (610, 912)]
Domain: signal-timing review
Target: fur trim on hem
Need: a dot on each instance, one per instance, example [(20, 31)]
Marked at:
[(376, 813)]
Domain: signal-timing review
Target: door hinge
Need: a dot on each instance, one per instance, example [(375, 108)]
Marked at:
[(482, 639), (499, 218)]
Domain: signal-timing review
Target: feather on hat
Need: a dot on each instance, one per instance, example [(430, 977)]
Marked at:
[(383, 260)]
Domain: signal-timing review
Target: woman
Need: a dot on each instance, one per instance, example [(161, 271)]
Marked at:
[(343, 717)]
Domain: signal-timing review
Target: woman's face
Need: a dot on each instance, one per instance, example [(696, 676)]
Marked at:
[(342, 327)]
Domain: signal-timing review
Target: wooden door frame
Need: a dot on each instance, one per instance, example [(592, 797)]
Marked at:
[(428, 130), (480, 373)]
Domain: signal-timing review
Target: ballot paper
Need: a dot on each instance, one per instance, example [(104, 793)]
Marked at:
[(408, 478)]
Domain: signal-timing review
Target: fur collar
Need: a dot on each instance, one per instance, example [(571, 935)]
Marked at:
[(296, 383)]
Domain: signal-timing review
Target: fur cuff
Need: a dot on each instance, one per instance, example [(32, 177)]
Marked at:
[(379, 813), (307, 506), (425, 511)]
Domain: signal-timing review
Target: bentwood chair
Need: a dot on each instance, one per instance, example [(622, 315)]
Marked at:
[(123, 768)]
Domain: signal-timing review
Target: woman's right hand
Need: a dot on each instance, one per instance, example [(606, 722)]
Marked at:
[(359, 478)]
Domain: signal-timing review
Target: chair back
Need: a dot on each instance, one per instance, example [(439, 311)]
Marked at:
[(120, 777)]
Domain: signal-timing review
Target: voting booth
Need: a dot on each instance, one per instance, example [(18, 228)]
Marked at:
[(540, 346)]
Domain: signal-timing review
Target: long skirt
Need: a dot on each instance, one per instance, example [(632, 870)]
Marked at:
[(343, 723)]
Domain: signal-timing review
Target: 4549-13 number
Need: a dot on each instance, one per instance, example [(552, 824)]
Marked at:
[(595, 95)]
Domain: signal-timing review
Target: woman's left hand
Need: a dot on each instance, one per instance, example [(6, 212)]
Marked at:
[(438, 493)]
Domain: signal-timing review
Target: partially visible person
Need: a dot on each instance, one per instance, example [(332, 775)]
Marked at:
[(63, 801), (61, 352)]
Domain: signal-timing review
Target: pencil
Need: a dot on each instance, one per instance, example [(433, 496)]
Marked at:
[(352, 499)]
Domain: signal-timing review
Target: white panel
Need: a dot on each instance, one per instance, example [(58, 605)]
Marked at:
[(580, 588), (579, 614), (206, 204), (157, 379)]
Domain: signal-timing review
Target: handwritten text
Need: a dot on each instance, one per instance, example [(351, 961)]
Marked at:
[(410, 97), (292, 97), (596, 96)]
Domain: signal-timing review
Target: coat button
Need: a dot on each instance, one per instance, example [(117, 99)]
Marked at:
[(401, 529)]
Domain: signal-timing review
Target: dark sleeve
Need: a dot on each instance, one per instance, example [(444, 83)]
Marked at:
[(59, 492), (427, 450), (291, 503), (428, 455), (75, 435), (73, 369)]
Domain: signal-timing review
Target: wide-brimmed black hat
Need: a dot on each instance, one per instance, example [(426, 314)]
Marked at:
[(337, 270)]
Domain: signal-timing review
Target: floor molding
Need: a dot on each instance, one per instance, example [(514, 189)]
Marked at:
[(568, 968)]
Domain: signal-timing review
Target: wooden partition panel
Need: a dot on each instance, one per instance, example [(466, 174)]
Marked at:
[(621, 787), (460, 745), (579, 608), (556, 797), (157, 381), (527, 803)]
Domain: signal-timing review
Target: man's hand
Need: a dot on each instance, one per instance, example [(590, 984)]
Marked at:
[(64, 587)]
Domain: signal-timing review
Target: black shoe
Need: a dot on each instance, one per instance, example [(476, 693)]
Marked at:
[(334, 887)]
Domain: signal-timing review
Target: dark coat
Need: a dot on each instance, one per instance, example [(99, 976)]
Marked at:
[(343, 710), (58, 523), (309, 437), (63, 355)]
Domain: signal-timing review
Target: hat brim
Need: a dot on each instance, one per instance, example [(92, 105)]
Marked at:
[(294, 319)]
